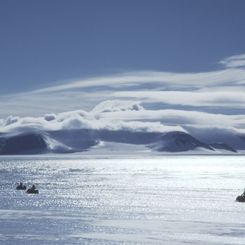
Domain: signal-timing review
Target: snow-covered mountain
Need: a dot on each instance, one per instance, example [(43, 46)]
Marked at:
[(113, 122)]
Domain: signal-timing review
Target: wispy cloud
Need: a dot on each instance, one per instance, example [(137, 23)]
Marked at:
[(190, 98), (160, 80), (221, 88), (235, 61)]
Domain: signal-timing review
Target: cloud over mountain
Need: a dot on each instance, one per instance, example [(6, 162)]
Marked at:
[(122, 122), (207, 103)]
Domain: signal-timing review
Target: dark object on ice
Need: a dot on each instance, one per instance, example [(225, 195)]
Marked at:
[(29, 191), (21, 186), (241, 198), (32, 190)]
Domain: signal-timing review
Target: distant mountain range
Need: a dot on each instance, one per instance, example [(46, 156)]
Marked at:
[(121, 123), (78, 140)]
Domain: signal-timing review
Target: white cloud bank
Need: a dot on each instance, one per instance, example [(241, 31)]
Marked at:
[(87, 120), (125, 115)]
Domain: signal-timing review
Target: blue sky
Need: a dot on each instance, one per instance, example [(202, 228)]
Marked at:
[(47, 42), (181, 64)]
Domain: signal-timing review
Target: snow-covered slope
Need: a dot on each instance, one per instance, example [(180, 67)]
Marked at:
[(68, 141), (178, 142)]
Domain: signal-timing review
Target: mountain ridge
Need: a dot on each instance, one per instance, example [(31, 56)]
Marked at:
[(80, 140)]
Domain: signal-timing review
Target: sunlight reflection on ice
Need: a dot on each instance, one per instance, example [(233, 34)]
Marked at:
[(169, 200)]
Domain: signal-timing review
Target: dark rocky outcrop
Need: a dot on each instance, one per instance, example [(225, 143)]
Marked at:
[(25, 143)]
